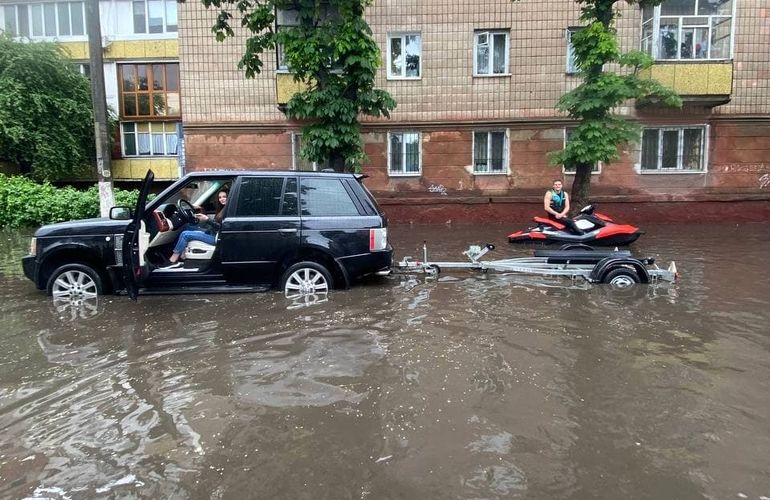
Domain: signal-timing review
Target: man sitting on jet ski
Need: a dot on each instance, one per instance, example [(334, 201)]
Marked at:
[(556, 204)]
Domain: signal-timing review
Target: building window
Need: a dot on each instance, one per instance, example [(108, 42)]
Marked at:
[(284, 18), (404, 153), (490, 152), (84, 69), (570, 170), (155, 16), (404, 52), (287, 18), (673, 149), (688, 29), (45, 20), (571, 63), (299, 163), (149, 90), (150, 138), (490, 49)]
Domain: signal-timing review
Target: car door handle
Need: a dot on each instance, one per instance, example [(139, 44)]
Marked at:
[(288, 230)]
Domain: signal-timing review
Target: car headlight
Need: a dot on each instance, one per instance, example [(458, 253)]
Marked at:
[(33, 246)]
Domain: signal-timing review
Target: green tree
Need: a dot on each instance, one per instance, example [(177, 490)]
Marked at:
[(330, 50), (600, 132), (46, 120)]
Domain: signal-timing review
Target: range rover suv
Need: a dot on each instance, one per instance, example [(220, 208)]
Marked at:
[(306, 232)]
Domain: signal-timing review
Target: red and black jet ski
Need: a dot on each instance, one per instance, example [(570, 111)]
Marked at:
[(590, 228)]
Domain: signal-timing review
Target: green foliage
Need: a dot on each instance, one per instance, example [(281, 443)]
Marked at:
[(46, 121), (25, 203), (330, 50), (599, 132)]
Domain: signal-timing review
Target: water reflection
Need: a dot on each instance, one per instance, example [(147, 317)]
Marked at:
[(76, 308), (456, 386)]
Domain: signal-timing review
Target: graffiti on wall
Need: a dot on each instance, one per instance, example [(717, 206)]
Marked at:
[(437, 188), (762, 170)]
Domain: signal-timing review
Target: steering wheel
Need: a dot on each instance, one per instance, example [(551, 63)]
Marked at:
[(186, 211)]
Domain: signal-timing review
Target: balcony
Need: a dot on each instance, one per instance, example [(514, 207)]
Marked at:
[(286, 87), (701, 83)]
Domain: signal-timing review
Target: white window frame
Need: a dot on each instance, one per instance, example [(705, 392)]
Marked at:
[(403, 36), (596, 169), (654, 45), (404, 173), (571, 66), (506, 152), (57, 36), (296, 146), (680, 150), (152, 154), (146, 31), (476, 44)]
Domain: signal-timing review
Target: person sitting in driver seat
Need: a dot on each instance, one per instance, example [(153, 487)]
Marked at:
[(206, 231)]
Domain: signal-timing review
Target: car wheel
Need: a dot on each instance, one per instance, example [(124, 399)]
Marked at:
[(305, 278), (621, 278), (74, 281)]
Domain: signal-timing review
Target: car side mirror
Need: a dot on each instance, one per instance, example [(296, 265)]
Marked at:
[(120, 213)]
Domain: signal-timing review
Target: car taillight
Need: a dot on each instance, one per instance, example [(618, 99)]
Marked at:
[(378, 239)]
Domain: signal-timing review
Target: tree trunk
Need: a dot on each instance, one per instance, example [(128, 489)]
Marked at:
[(581, 187)]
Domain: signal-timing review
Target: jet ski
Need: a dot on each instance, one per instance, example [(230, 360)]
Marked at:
[(590, 228)]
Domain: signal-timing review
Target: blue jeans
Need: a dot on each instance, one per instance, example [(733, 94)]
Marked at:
[(186, 237)]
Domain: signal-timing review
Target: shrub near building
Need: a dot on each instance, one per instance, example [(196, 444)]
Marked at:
[(25, 203)]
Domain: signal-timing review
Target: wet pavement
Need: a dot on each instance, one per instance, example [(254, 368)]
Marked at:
[(465, 386)]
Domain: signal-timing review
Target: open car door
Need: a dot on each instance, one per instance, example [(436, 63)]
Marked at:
[(135, 243)]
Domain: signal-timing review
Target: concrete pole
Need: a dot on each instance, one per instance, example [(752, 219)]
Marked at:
[(101, 119)]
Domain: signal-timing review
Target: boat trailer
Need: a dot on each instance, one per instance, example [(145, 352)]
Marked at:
[(577, 262)]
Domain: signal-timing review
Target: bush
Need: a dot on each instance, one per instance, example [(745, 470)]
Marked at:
[(25, 203)]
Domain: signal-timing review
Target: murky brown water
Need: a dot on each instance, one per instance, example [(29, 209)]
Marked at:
[(472, 386)]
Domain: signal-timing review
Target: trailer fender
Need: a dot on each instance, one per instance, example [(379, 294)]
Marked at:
[(604, 266)]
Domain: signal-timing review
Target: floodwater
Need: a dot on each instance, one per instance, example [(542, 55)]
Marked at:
[(465, 386)]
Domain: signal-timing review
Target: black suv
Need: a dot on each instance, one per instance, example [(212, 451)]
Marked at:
[(306, 232)]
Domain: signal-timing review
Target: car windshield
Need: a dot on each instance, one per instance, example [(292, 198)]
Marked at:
[(201, 192)]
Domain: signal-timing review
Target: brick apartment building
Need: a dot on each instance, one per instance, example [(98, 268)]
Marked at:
[(476, 84)]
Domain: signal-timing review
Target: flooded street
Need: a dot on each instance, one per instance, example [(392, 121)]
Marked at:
[(466, 386)]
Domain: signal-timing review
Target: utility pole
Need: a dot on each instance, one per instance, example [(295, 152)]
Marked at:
[(99, 98)]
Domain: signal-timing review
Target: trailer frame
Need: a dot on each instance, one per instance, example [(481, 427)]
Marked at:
[(577, 262)]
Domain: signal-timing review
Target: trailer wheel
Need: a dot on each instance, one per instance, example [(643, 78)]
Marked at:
[(621, 277), (433, 270)]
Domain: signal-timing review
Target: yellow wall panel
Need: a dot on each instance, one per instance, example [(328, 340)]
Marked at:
[(76, 50), (285, 87), (720, 78), (136, 168), (689, 78)]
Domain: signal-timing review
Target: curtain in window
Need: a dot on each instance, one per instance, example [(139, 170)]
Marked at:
[(499, 54), (396, 61), (497, 150), (650, 149), (480, 161), (482, 54), (396, 153), (143, 143), (670, 149), (412, 144), (692, 150)]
